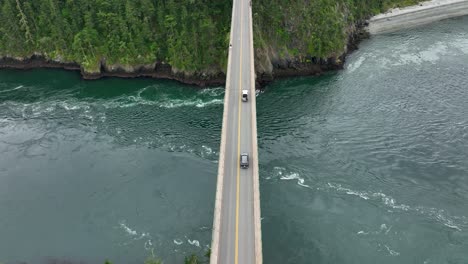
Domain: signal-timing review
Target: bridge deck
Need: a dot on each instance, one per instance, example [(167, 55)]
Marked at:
[(236, 227)]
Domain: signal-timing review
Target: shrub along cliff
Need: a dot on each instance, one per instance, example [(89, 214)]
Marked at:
[(181, 39), (303, 37)]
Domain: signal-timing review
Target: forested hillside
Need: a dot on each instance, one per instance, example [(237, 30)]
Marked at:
[(190, 35), (297, 34)]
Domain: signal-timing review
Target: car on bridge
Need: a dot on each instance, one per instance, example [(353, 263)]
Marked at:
[(245, 95), (244, 160)]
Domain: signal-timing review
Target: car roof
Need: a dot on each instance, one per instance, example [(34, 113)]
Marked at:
[(245, 91)]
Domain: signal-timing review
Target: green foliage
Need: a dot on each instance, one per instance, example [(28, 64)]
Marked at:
[(195, 259), (312, 28), (192, 259), (188, 34), (208, 254), (191, 35), (153, 260)]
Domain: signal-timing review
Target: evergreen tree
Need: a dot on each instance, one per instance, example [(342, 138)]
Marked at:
[(191, 35)]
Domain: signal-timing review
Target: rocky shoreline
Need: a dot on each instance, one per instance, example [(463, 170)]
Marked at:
[(315, 67), (279, 68), (158, 71)]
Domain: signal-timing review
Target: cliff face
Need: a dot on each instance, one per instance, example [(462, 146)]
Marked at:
[(310, 37), (185, 40), (118, 37)]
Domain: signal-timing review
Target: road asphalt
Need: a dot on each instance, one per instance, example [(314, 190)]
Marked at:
[(236, 228)]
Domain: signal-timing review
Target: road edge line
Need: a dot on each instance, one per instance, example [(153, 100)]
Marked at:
[(255, 178)]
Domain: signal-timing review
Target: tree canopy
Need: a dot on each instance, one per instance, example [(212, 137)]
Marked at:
[(190, 35)]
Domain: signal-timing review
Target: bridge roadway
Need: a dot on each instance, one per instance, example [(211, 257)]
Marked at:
[(236, 225)]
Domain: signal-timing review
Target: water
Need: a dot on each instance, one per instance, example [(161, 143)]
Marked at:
[(365, 165), (108, 169)]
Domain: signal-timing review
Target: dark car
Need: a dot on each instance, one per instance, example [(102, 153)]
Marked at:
[(244, 160)]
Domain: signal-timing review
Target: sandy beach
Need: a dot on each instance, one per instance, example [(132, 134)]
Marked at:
[(424, 13)]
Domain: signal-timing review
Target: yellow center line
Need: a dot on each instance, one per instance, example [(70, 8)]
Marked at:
[(236, 256)]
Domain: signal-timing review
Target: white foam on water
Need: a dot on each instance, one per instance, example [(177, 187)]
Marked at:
[(143, 235), (338, 187), (301, 182), (294, 176), (194, 242), (355, 65), (207, 150), (389, 201), (14, 89), (212, 102), (143, 90), (436, 214), (279, 170), (178, 242), (148, 245), (176, 103), (163, 102), (360, 194), (212, 91), (287, 176), (38, 109), (388, 230), (440, 216), (383, 227), (461, 44), (133, 233), (430, 55), (452, 226), (391, 251), (128, 229), (74, 106)]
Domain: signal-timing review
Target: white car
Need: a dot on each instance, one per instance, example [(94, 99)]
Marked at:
[(245, 95)]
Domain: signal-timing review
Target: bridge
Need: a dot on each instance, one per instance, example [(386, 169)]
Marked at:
[(236, 224)]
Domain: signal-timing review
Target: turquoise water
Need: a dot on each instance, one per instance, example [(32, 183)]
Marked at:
[(107, 169), (364, 165)]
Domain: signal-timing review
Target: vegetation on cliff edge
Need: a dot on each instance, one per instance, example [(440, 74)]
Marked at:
[(190, 35), (311, 28), (187, 34)]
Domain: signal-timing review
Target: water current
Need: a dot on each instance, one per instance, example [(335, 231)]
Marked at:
[(365, 165)]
